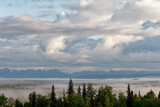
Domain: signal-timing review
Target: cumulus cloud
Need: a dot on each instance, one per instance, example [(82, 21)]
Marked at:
[(55, 45), (85, 2), (112, 41), (96, 34)]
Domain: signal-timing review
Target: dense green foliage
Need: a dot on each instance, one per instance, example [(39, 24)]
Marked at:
[(89, 97)]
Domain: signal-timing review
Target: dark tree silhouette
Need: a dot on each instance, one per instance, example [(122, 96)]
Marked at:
[(64, 93), (91, 94), (3, 100), (79, 90), (130, 98), (64, 98), (128, 91), (18, 103), (53, 98), (84, 91), (139, 94), (32, 99), (159, 95), (42, 101), (128, 95), (70, 89)]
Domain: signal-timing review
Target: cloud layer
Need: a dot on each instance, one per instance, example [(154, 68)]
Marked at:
[(94, 35)]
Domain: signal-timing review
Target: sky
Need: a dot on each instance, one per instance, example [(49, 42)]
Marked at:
[(77, 35)]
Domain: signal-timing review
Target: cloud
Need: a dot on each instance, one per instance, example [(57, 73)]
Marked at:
[(137, 11), (85, 2), (55, 45), (91, 12), (21, 26), (96, 34), (112, 41)]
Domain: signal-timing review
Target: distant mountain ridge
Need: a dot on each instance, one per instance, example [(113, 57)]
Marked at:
[(54, 73), (31, 73)]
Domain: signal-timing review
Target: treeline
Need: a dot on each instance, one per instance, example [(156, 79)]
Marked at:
[(85, 96)]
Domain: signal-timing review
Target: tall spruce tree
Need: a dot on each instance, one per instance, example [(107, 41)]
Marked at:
[(130, 98), (128, 95), (91, 94), (64, 99), (79, 90), (70, 89), (64, 93), (139, 94), (128, 90), (53, 98), (84, 91)]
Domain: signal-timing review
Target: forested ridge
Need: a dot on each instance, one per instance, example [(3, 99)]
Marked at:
[(85, 96)]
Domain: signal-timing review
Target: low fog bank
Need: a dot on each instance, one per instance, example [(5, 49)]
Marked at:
[(20, 88)]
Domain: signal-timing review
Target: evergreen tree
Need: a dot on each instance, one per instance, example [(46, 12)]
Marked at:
[(131, 99), (91, 94), (84, 91), (42, 101), (64, 99), (128, 96), (128, 90), (121, 100), (60, 102), (90, 91), (3, 100), (53, 98), (79, 90), (32, 99), (139, 94), (150, 95), (98, 96), (70, 89), (27, 104), (107, 101), (18, 103), (64, 93), (159, 95)]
